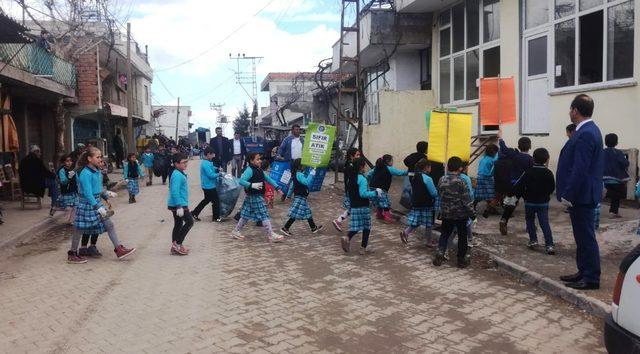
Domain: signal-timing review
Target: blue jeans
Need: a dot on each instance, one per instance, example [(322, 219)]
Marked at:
[(543, 218)]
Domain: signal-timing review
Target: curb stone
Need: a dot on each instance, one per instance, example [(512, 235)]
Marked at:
[(43, 225), (591, 305)]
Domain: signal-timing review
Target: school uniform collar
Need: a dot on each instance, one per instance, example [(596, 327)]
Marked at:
[(92, 169), (583, 123)]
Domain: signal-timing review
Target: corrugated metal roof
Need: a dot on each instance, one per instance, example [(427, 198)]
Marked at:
[(12, 32)]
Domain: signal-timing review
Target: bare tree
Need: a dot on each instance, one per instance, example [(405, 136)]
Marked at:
[(290, 98)]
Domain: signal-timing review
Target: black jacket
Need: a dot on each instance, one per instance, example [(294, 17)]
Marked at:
[(225, 153), (33, 173), (536, 185), (437, 168)]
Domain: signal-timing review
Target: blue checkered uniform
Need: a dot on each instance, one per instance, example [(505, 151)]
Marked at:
[(484, 188), (382, 201), (254, 208), (360, 219), (420, 217), (133, 187), (67, 200), (87, 218), (346, 202), (299, 209)]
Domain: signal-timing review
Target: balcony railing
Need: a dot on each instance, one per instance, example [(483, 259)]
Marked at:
[(39, 62)]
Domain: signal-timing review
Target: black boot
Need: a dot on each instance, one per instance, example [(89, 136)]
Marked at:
[(131, 200)]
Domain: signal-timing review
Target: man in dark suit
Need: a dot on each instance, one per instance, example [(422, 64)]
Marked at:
[(221, 147), (579, 183)]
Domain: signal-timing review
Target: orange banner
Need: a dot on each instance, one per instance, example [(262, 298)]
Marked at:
[(497, 101)]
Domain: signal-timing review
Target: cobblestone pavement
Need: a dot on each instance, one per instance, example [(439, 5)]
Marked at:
[(301, 296)]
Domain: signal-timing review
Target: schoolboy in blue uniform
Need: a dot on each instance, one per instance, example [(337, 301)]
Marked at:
[(299, 209), (178, 203), (254, 207), (92, 216), (359, 195), (208, 181), (147, 162), (423, 197)]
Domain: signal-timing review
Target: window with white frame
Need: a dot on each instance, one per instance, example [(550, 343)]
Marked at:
[(375, 81), (593, 39), (469, 48), (146, 95)]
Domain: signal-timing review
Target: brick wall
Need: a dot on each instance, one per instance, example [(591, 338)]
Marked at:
[(87, 79)]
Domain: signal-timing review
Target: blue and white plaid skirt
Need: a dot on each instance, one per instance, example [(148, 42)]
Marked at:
[(87, 217), (67, 200), (383, 201), (485, 188), (133, 187), (346, 202), (360, 219), (638, 231), (254, 208), (299, 209), (420, 217)]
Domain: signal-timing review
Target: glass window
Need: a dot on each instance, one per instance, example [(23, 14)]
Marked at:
[(491, 66), (590, 48), (457, 15), (536, 13), (491, 18), (620, 41), (425, 69), (473, 72), (537, 60), (445, 18), (564, 8), (445, 83), (445, 42), (587, 4), (565, 33), (458, 78), (473, 23)]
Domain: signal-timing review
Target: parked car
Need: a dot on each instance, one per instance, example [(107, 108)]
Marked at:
[(622, 325)]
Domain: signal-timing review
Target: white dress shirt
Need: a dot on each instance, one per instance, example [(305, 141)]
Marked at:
[(296, 148), (237, 147), (583, 123)]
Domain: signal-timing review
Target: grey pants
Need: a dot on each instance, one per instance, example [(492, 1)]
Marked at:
[(236, 166), (111, 231)]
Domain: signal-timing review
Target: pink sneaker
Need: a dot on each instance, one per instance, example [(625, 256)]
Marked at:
[(183, 250), (337, 224), (275, 238), (236, 234)]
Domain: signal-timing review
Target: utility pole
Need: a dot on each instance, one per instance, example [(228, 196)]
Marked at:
[(221, 119), (248, 78), (177, 120), (132, 140)]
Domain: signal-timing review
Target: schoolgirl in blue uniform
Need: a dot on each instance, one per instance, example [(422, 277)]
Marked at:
[(132, 172), (359, 195), (92, 216), (299, 209), (68, 188), (485, 187), (423, 196), (349, 173), (178, 203), (254, 207), (380, 177)]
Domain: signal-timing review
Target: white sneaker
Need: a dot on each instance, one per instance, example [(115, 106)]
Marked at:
[(275, 238), (236, 234)]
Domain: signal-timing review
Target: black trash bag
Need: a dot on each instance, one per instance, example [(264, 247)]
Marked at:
[(228, 193), (158, 166), (405, 198)]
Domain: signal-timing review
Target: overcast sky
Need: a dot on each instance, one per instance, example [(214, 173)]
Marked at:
[(291, 35)]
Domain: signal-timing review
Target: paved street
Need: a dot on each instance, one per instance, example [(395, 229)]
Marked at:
[(301, 296)]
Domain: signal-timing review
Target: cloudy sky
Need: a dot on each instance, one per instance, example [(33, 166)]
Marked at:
[(190, 42)]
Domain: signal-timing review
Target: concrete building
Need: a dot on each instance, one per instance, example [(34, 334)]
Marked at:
[(165, 120), (553, 49), (36, 87)]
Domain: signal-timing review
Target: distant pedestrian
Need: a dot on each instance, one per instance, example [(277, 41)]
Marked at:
[(456, 208), (299, 209), (178, 203), (238, 152), (348, 172), (147, 162), (92, 216), (131, 173), (381, 177), (291, 147), (485, 186), (423, 197), (535, 187), (359, 196), (615, 173), (253, 208), (68, 187), (118, 148), (208, 181), (221, 148)]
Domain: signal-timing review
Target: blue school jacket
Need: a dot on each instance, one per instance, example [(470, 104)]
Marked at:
[(208, 175), (125, 171), (147, 159), (178, 190), (90, 185)]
